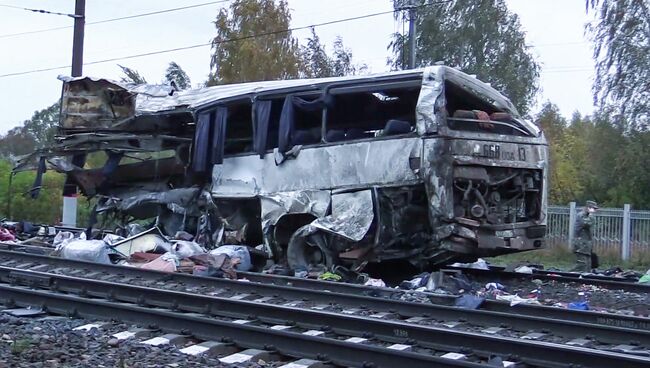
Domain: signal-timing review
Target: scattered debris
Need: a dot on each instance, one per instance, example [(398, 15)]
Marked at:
[(516, 299), (480, 264), (579, 306), (469, 301), (524, 269), (81, 249), (645, 278), (375, 282)]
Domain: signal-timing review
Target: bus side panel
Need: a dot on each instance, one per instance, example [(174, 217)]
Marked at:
[(349, 165)]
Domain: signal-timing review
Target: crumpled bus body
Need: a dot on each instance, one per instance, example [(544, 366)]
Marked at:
[(428, 166)]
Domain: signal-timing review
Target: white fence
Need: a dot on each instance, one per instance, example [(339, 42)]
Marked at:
[(619, 230)]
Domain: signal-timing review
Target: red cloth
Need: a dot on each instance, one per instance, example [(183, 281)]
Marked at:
[(6, 235)]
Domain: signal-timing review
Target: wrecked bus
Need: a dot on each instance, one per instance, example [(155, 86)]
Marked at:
[(426, 166)]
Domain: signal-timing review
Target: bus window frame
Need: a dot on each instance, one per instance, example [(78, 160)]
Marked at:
[(370, 87)]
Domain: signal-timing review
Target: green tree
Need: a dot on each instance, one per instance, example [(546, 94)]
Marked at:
[(315, 61), (342, 60), (252, 43), (563, 151), (45, 209), (131, 76), (632, 172), (177, 75), (317, 64), (37, 132), (481, 37), (621, 35)]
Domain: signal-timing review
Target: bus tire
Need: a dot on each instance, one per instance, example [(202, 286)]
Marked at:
[(307, 248)]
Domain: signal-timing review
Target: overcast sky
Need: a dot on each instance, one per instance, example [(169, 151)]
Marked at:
[(554, 29)]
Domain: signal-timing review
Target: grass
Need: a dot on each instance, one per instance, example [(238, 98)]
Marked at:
[(562, 258), (18, 346)]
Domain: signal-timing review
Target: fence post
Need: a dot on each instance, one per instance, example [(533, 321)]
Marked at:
[(625, 239), (572, 222)]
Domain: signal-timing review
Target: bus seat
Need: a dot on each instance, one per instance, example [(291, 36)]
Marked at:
[(354, 133), (395, 127), (335, 136), (464, 114), (501, 116)]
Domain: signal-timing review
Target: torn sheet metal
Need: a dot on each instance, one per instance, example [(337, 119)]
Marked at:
[(156, 98), (431, 101), (58, 154), (151, 240), (180, 201), (148, 99), (488, 93), (352, 215), (94, 103), (276, 205), (381, 162)]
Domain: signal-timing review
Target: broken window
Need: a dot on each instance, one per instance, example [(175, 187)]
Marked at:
[(469, 112), (239, 129), (208, 145), (267, 124), (373, 112), (301, 120)]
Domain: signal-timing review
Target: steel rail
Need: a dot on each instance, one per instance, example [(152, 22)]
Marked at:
[(531, 352), (603, 281), (563, 328), (377, 299), (286, 343)]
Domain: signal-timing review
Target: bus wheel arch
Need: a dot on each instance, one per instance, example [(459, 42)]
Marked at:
[(309, 247)]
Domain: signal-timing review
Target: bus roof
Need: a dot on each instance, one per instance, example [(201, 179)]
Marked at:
[(152, 99)]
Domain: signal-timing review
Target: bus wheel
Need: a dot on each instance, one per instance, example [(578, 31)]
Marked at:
[(307, 249)]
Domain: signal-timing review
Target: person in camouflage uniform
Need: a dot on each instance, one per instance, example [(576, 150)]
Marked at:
[(582, 237)]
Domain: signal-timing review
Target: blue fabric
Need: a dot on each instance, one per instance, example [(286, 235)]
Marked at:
[(38, 181), (579, 306), (202, 143), (219, 135), (209, 139), (286, 125), (111, 164), (469, 301), (262, 115), (287, 119)]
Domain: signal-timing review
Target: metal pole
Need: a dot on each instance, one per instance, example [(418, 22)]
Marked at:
[(412, 35), (572, 223), (78, 38), (69, 211), (625, 249)]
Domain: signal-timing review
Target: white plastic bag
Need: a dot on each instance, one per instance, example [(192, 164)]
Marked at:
[(185, 249), (236, 251), (86, 250), (63, 238)]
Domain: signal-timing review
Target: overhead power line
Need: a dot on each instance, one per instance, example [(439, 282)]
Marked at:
[(111, 19), (40, 11), (217, 42)]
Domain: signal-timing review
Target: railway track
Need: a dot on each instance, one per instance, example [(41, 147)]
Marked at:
[(428, 330), (617, 283), (349, 297)]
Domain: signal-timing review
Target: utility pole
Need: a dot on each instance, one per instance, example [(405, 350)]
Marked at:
[(78, 38), (412, 35), (69, 215)]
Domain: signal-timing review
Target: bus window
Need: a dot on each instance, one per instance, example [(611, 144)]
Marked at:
[(239, 130), (370, 114), (307, 127)]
